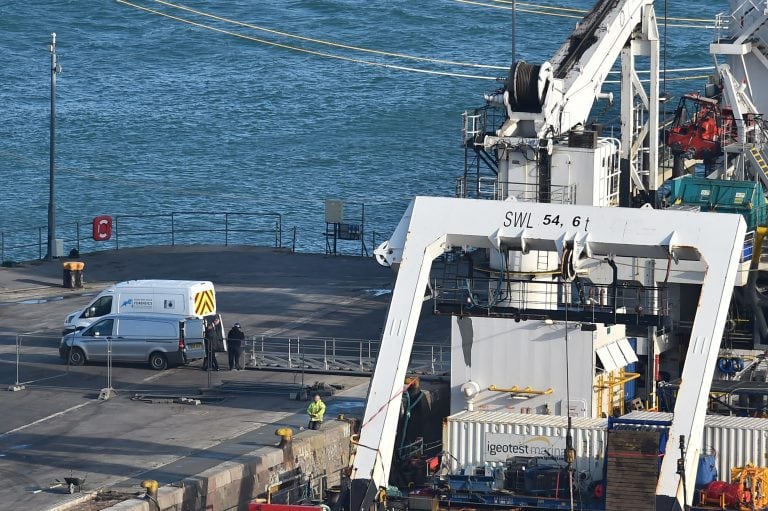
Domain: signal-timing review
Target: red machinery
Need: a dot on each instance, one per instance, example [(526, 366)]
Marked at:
[(747, 492), (724, 495), (260, 506), (700, 129)]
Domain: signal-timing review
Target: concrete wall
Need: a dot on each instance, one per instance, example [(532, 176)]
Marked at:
[(231, 485)]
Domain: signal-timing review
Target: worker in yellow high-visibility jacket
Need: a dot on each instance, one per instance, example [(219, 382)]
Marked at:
[(316, 410)]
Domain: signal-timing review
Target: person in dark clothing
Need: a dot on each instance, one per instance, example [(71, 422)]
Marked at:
[(212, 340), (235, 339)]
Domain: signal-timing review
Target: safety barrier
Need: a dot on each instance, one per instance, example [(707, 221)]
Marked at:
[(174, 228), (490, 188), (354, 356), (36, 359), (38, 362)]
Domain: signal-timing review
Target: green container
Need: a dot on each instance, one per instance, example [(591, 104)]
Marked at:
[(743, 197)]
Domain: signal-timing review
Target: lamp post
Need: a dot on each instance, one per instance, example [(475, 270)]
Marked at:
[(55, 69), (514, 31)]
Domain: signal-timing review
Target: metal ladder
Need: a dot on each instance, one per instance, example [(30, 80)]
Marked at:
[(758, 160)]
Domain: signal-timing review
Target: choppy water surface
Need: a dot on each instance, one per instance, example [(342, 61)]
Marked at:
[(156, 115)]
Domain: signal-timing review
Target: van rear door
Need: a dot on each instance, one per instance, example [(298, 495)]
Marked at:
[(192, 331), (220, 344)]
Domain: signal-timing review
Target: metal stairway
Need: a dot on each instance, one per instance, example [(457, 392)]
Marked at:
[(761, 167)]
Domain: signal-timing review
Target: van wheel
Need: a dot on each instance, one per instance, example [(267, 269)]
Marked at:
[(76, 357), (158, 361)]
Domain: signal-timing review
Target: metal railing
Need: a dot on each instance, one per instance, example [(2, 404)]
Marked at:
[(35, 246), (480, 122), (354, 356), (515, 297), (39, 362), (491, 188), (174, 228), (744, 15), (183, 227)]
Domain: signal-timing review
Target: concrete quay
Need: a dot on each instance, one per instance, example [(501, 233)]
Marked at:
[(57, 427), (319, 455)]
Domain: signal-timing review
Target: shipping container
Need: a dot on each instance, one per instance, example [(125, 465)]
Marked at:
[(723, 196), (487, 439), (735, 441), (477, 439)]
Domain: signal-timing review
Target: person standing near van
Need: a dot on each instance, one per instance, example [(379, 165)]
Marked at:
[(316, 410), (235, 339), (212, 339)]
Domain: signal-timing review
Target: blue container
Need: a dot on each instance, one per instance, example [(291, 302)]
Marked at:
[(630, 388), (707, 471)]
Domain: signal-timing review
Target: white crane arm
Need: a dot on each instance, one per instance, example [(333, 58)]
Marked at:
[(553, 98), (737, 98), (583, 74)]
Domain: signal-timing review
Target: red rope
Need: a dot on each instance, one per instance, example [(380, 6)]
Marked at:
[(397, 395)]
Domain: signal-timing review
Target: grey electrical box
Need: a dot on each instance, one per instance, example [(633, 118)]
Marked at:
[(334, 211), (58, 248)]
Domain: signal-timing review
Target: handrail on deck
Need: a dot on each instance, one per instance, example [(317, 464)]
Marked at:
[(172, 228)]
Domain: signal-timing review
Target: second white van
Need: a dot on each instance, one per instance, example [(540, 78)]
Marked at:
[(176, 297)]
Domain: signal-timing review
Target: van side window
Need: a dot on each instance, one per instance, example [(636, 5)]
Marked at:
[(100, 329), (100, 307), (143, 328)]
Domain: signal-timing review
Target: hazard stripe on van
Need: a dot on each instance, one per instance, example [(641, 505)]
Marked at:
[(204, 303)]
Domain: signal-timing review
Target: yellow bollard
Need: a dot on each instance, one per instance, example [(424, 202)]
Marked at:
[(151, 486), (286, 435)]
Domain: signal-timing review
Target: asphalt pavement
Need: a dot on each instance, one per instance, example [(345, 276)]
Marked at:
[(56, 426)]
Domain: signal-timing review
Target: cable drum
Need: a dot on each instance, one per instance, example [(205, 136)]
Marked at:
[(523, 87), (567, 271)]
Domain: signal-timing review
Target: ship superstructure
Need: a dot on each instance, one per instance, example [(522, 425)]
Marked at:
[(575, 270)]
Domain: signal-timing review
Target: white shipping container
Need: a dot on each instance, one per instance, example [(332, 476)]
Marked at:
[(472, 439), (735, 441)]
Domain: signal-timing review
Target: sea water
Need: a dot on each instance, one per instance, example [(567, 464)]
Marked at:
[(156, 114)]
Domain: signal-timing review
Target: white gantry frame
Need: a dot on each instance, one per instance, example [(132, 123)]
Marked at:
[(433, 225)]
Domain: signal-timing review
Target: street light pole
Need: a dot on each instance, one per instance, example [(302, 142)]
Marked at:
[(514, 31), (55, 69)]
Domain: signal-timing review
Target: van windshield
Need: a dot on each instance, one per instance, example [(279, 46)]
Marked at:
[(100, 307)]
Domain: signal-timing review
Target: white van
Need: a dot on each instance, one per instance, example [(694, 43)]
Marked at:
[(179, 297), (160, 340)]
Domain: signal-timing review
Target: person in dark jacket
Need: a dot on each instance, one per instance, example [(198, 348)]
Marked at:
[(235, 339), (212, 341)]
